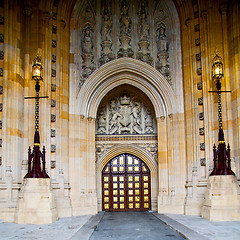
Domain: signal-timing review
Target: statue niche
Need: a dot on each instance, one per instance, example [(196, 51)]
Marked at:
[(125, 115)]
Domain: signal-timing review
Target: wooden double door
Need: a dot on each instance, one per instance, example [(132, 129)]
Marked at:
[(126, 184)]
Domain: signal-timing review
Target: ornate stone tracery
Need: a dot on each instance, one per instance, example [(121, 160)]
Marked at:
[(125, 115)]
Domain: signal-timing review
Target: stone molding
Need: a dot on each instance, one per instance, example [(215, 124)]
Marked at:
[(126, 71), (127, 148)]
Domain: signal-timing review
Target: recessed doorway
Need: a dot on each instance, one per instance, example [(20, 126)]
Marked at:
[(126, 184)]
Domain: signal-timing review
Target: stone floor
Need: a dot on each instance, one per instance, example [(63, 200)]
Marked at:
[(203, 228), (133, 225), (62, 229), (83, 227)]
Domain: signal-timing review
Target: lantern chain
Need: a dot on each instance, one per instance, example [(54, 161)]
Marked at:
[(37, 112), (220, 123)]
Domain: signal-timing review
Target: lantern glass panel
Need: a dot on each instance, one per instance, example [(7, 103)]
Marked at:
[(217, 67), (37, 69)]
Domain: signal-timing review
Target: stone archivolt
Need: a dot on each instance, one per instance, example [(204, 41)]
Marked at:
[(151, 147)]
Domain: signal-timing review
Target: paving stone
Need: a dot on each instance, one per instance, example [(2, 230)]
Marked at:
[(133, 225), (62, 229)]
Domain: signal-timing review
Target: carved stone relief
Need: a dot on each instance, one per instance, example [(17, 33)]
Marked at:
[(125, 115), (126, 28)]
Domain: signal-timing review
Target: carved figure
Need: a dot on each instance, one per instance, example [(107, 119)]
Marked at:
[(87, 41), (162, 39), (135, 111), (148, 122), (125, 20), (101, 123), (88, 65), (113, 105), (143, 26), (106, 29), (114, 123)]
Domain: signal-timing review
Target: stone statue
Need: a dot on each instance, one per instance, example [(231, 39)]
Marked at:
[(162, 40), (107, 25), (125, 20), (106, 44), (87, 40), (88, 65), (144, 27)]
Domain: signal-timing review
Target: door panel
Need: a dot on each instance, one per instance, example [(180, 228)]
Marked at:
[(126, 184)]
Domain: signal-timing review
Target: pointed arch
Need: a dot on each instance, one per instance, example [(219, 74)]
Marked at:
[(127, 148), (126, 71)]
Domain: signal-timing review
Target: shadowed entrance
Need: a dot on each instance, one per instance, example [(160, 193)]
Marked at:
[(126, 184)]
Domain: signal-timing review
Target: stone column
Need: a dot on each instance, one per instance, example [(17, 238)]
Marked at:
[(62, 126), (28, 115), (191, 116), (12, 111), (162, 163), (234, 19), (91, 166), (206, 86)]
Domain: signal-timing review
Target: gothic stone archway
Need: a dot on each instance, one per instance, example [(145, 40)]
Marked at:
[(167, 173), (126, 118)]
